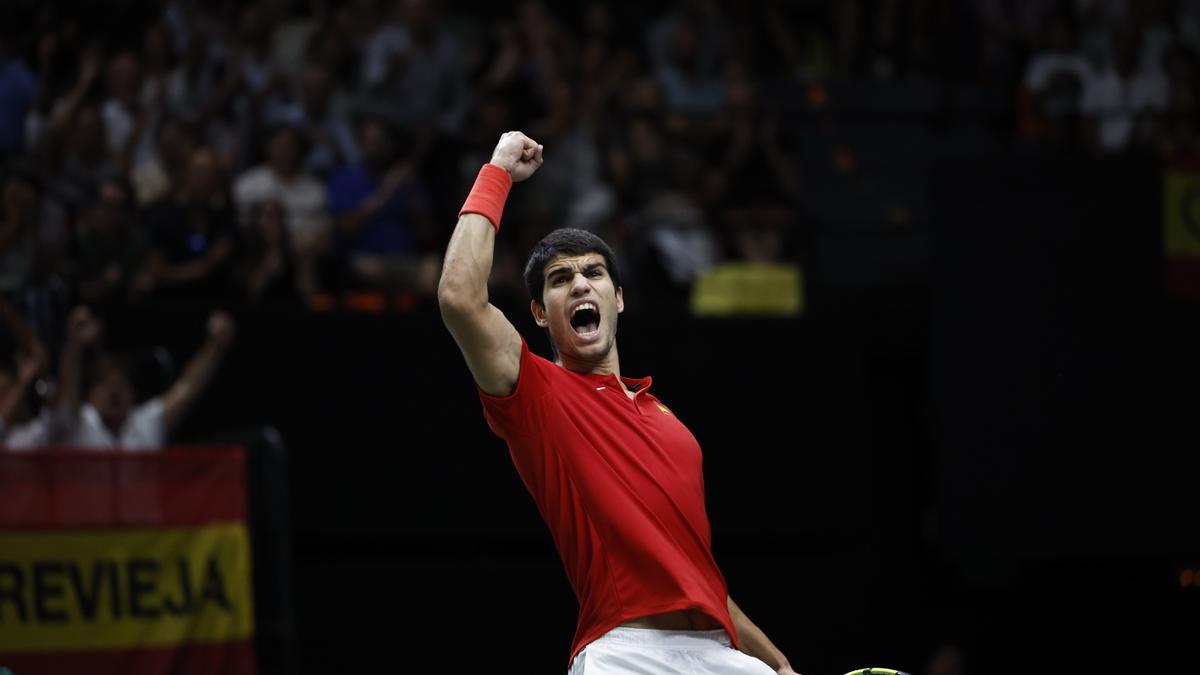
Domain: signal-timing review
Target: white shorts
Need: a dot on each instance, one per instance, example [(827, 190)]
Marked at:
[(647, 651)]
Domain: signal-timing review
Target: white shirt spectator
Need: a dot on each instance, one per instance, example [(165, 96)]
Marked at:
[(143, 429), (304, 199), (1116, 102), (32, 434), (57, 427)]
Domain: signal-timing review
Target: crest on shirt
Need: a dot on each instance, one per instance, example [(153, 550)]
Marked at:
[(665, 409)]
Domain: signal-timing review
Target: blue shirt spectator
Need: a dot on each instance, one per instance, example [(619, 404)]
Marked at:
[(372, 200), (18, 86)]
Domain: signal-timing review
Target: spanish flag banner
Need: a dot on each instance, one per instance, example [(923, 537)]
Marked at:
[(130, 563), (1181, 216)]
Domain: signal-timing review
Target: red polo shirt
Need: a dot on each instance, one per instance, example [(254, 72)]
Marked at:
[(619, 482)]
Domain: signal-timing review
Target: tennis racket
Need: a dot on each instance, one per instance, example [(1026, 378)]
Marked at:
[(876, 671)]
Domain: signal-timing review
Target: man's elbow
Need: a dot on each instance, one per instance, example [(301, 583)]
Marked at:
[(456, 298)]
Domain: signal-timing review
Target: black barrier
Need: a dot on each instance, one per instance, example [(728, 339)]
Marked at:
[(269, 515)]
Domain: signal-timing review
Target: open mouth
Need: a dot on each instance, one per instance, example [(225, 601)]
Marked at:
[(585, 320)]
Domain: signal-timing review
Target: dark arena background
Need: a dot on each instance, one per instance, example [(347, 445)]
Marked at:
[(922, 276)]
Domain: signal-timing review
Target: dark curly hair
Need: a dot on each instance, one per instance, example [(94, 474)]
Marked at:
[(570, 241)]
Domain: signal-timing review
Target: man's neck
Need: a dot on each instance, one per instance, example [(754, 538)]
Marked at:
[(610, 364)]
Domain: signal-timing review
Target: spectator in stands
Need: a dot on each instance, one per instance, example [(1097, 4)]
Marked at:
[(83, 156), (688, 79), (112, 244), (409, 60), (281, 178), (268, 271), (379, 209), (319, 113), (18, 87), (128, 110), (192, 236), (108, 415), (18, 231), (29, 363), (159, 174), (1121, 101)]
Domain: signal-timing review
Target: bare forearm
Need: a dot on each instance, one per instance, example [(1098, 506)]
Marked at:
[(195, 378), (468, 263), (754, 642)]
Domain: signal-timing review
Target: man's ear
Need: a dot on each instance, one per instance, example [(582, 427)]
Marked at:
[(539, 314), (620, 300)]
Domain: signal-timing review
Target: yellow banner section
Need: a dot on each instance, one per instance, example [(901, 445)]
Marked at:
[(1182, 213), (124, 589), (749, 289)]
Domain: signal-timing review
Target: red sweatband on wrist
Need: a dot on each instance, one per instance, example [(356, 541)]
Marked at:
[(489, 194)]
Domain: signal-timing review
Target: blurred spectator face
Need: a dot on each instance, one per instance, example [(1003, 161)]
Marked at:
[(283, 152), (175, 145), (645, 140), (377, 145), (112, 208), (124, 77), (203, 176), (112, 395)]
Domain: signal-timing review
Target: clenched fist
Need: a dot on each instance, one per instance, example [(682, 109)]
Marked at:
[(221, 328), (517, 154)]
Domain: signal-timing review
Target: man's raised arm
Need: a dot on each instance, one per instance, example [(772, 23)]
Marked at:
[(489, 343)]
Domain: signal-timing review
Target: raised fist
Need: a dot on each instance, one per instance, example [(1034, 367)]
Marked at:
[(221, 327), (517, 154)]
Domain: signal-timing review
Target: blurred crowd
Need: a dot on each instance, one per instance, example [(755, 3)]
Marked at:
[(293, 151), (314, 153)]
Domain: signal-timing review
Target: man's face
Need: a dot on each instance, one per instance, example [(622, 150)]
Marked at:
[(581, 306), (283, 152), (376, 144), (112, 396)]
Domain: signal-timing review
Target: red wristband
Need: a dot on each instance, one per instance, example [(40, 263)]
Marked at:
[(489, 194)]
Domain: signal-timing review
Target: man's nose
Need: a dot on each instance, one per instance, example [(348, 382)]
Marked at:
[(579, 284)]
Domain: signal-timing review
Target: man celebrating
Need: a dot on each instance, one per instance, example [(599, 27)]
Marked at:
[(616, 476)]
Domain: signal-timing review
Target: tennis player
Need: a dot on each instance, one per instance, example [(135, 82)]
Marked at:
[(616, 476)]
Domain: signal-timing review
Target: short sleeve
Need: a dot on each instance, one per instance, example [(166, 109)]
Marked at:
[(32, 434), (519, 413), (145, 429)]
